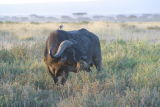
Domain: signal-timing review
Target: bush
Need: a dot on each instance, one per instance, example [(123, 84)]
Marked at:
[(122, 63), (153, 28), (20, 53), (6, 56)]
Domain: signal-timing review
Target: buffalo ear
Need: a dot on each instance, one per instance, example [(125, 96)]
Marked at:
[(83, 58), (63, 59)]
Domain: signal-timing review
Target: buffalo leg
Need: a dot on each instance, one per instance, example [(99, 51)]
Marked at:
[(98, 64)]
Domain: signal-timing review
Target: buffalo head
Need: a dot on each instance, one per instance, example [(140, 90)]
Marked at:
[(65, 61)]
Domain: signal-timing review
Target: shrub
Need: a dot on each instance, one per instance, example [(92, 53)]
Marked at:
[(27, 38), (153, 28), (123, 63), (6, 56), (20, 53)]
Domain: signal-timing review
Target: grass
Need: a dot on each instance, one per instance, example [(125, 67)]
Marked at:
[(130, 76)]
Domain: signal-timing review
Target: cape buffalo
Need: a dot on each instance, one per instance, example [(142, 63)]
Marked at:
[(71, 51)]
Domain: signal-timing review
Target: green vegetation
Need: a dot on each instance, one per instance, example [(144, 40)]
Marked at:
[(130, 76)]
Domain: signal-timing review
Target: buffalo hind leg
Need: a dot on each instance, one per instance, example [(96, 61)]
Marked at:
[(98, 64)]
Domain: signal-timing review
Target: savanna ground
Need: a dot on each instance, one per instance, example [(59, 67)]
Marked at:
[(130, 76)]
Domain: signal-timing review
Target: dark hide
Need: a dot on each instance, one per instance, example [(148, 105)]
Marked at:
[(71, 51)]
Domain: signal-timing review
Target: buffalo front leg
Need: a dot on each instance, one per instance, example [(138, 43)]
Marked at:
[(83, 65), (98, 64)]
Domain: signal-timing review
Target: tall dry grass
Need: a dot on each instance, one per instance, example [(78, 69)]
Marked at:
[(130, 76)]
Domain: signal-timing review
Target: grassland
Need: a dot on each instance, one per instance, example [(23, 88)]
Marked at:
[(130, 76)]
